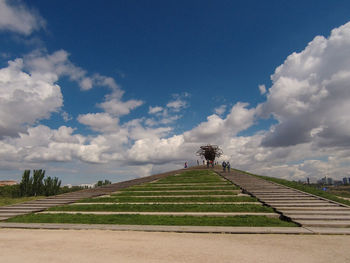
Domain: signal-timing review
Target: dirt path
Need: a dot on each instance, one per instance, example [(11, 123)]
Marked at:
[(114, 246)]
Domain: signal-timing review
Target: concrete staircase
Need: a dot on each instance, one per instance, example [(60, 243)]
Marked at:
[(302, 208), (43, 204)]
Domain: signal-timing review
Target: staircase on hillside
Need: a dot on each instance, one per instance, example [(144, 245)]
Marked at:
[(302, 208)]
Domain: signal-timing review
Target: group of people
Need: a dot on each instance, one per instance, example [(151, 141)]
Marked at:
[(226, 165)]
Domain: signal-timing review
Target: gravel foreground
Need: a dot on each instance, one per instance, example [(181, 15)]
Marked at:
[(23, 245)]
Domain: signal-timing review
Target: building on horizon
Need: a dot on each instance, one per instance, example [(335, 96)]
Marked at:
[(329, 181), (8, 182)]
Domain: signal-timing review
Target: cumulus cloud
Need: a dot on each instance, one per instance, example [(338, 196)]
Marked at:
[(309, 98), (156, 109), (113, 105), (25, 97), (55, 65), (101, 122), (177, 105), (220, 110), (66, 116), (16, 17), (310, 92), (262, 89), (217, 129), (170, 113)]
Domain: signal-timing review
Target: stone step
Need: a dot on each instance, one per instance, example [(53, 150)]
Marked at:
[(311, 208), (214, 214), (170, 203), (308, 212), (289, 199), (319, 217), (191, 184), (171, 196), (294, 201), (61, 199), (270, 192), (4, 218), (186, 191), (274, 193), (325, 223), (277, 205), (272, 189), (27, 207), (13, 214), (284, 195), (18, 210)]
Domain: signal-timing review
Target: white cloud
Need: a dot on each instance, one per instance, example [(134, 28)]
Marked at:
[(101, 122), (310, 92), (156, 109), (220, 110), (262, 89), (309, 98), (177, 105), (113, 105), (25, 98), (217, 130), (66, 116), (16, 17)]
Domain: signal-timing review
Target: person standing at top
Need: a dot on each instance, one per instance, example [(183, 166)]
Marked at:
[(185, 164), (224, 166), (197, 162), (228, 166)]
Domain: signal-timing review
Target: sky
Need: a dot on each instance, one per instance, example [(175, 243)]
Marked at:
[(93, 90)]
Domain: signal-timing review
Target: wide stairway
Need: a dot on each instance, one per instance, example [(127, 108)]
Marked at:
[(303, 208), (45, 203)]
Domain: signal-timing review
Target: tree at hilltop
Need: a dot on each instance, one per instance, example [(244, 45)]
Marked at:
[(209, 152)]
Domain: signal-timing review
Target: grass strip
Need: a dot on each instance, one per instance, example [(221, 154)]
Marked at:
[(135, 193), (206, 180), (202, 176), (342, 193), (131, 199), (165, 208), (11, 201), (182, 185), (302, 187), (250, 221), (140, 188)]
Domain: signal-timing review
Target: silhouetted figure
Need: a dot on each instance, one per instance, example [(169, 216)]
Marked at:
[(228, 166), (224, 166)]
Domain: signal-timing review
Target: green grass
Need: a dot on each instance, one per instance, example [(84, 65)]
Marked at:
[(261, 221), (341, 193), (11, 201), (135, 193), (302, 187), (174, 188), (132, 199), (165, 208), (196, 176), (217, 184)]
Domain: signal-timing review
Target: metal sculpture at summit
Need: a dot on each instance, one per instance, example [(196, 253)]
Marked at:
[(209, 152)]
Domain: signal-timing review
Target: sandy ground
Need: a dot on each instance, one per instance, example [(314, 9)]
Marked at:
[(120, 246)]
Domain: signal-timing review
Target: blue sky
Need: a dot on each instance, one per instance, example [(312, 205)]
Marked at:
[(135, 87)]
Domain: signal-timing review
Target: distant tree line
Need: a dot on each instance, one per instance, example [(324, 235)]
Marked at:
[(100, 183), (38, 185)]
